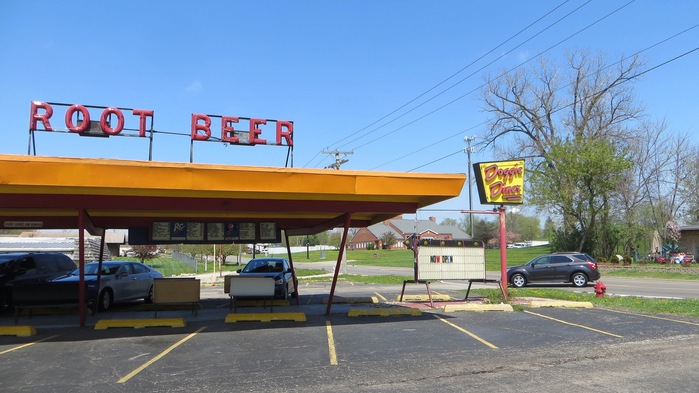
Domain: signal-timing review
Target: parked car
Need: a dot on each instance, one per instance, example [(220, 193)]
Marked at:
[(574, 267), (30, 269), (120, 281), (279, 269)]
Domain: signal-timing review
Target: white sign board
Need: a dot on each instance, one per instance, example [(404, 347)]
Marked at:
[(465, 261)]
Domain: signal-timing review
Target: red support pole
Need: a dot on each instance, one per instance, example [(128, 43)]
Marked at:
[(293, 270), (348, 220), (503, 252), (81, 257)]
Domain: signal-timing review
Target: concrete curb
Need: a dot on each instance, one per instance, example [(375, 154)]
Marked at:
[(559, 303), (478, 307)]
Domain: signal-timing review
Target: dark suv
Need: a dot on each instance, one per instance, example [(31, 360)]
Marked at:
[(30, 268), (574, 267)]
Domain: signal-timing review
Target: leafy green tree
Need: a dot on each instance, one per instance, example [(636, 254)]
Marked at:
[(485, 230), (388, 239), (449, 222)]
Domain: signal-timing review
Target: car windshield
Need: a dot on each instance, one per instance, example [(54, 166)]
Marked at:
[(264, 266), (108, 269)]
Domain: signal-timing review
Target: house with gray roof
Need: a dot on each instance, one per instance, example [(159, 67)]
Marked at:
[(370, 237)]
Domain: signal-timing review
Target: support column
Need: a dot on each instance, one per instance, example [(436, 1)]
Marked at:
[(348, 220), (81, 265), (293, 270)]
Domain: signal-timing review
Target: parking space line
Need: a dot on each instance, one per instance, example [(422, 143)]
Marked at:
[(459, 328), (574, 324), (26, 345), (379, 295), (652, 316), (158, 357), (331, 344)]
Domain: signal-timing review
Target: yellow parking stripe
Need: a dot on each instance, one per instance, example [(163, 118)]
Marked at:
[(155, 359), (574, 324), (459, 328), (26, 345), (331, 344), (653, 316), (379, 295)]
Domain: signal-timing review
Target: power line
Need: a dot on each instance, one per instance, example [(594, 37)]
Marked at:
[(439, 159), (523, 63), (567, 105), (354, 135), (501, 75)]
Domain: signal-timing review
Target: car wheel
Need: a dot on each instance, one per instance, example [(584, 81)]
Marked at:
[(518, 280), (149, 299), (579, 279), (105, 300)]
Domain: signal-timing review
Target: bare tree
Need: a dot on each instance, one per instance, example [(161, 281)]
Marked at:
[(573, 128)]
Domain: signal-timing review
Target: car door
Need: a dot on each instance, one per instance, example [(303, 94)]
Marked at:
[(563, 267), (142, 280), (123, 284), (541, 269)]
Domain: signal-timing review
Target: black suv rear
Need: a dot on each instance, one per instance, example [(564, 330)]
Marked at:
[(574, 267), (30, 268)]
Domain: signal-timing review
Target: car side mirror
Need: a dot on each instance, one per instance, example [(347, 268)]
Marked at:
[(238, 271), (122, 274)]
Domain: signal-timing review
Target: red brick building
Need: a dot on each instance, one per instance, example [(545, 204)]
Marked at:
[(370, 237)]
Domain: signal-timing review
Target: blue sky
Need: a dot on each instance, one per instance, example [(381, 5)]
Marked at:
[(338, 69)]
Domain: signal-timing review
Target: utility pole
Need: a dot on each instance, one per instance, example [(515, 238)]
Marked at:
[(468, 151), (339, 158)]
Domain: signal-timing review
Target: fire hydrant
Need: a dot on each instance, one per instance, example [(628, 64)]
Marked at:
[(600, 289)]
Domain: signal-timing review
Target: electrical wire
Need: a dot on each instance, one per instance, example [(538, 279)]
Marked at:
[(559, 109), (354, 135), (521, 64)]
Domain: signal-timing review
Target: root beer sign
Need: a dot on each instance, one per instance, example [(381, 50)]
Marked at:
[(500, 183), (113, 121)]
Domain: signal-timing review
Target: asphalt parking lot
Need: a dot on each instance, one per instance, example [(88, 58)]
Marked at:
[(542, 349)]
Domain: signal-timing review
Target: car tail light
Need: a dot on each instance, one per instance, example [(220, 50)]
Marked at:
[(593, 265)]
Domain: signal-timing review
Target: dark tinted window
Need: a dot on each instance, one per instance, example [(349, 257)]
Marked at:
[(46, 264), (138, 268), (21, 265), (64, 262), (560, 259)]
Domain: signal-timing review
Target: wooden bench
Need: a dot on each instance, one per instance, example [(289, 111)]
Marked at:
[(48, 295), (168, 291), (251, 287)]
